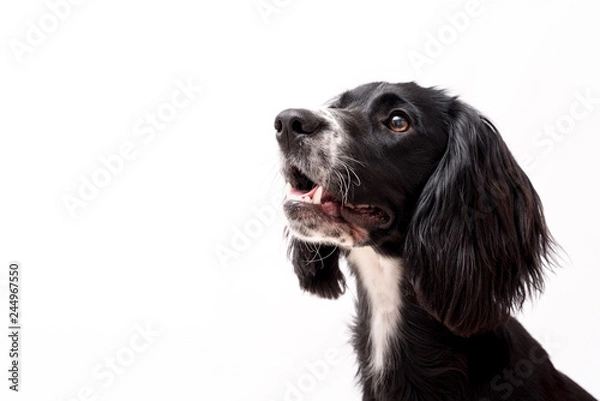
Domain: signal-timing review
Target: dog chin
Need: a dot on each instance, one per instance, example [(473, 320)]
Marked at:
[(343, 237), (323, 224)]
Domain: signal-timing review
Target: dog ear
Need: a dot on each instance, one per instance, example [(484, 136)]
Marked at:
[(317, 268), (478, 241)]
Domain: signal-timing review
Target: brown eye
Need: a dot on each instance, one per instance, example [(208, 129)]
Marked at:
[(398, 122)]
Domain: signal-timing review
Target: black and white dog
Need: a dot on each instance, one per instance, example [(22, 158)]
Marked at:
[(443, 231)]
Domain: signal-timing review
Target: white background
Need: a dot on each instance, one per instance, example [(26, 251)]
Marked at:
[(144, 250)]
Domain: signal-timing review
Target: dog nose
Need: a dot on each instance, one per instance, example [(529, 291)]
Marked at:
[(293, 122)]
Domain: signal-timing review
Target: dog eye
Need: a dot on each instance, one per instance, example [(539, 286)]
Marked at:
[(398, 122)]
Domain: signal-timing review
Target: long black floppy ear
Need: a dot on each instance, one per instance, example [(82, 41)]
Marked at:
[(478, 241), (317, 268)]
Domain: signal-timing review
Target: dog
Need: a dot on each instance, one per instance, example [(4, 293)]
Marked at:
[(443, 231)]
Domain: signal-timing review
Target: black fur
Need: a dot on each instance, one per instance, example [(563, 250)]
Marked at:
[(468, 226), (317, 268), (471, 262)]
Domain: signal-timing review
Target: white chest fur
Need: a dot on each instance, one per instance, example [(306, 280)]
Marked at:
[(380, 277)]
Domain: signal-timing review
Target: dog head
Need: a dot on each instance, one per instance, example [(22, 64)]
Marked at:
[(416, 174), (356, 167)]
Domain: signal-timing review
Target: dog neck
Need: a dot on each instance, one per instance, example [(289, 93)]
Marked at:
[(397, 342), (379, 281)]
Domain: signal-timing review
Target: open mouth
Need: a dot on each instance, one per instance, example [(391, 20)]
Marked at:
[(303, 192)]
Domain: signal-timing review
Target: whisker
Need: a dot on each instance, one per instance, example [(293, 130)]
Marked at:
[(352, 159), (321, 259)]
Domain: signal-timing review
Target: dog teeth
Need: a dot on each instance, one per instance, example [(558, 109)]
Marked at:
[(349, 206), (315, 199), (317, 196)]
